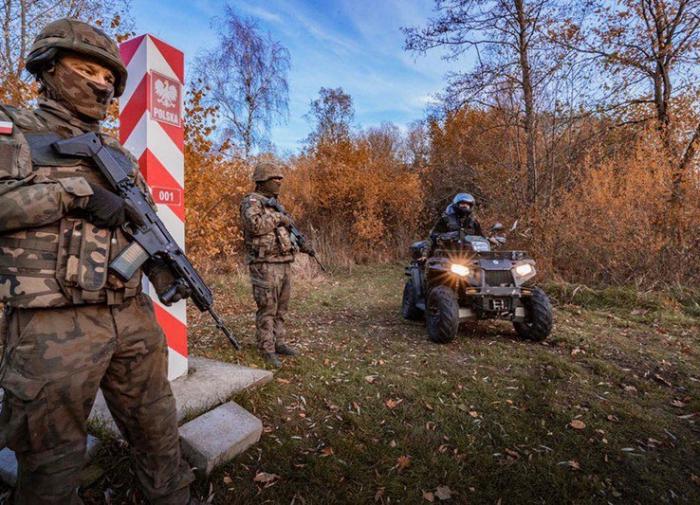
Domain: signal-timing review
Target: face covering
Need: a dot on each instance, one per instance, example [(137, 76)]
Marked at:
[(463, 211), (270, 187), (78, 93)]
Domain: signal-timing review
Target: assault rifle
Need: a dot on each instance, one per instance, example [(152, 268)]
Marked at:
[(298, 239), (151, 239)]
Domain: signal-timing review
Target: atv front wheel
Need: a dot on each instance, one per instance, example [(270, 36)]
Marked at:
[(442, 315), (538, 322), (408, 306)]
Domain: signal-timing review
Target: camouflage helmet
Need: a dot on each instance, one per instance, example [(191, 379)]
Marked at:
[(267, 170), (72, 35)]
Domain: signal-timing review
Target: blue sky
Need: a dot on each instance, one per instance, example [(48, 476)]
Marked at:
[(355, 44)]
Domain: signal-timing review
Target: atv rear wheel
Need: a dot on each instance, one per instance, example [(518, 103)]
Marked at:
[(442, 315), (408, 306), (538, 323)]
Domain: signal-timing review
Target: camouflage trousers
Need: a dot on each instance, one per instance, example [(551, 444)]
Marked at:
[(55, 359), (272, 284)]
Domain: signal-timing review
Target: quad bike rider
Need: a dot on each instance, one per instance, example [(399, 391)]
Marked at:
[(456, 277)]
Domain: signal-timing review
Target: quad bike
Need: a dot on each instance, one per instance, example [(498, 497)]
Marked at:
[(459, 278)]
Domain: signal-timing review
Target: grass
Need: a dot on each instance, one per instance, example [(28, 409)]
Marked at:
[(371, 412)]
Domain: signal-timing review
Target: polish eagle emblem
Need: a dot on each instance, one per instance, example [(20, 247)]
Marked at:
[(166, 93)]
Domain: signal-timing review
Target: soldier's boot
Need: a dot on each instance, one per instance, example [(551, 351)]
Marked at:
[(285, 350), (272, 359)]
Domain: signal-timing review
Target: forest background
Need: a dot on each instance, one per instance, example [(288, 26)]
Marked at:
[(579, 120)]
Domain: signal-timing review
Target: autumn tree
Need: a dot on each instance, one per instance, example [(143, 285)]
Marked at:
[(23, 19), (246, 74), (331, 114), (214, 187), (513, 59), (649, 51)]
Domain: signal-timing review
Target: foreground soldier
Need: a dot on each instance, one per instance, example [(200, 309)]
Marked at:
[(70, 326), (269, 254)]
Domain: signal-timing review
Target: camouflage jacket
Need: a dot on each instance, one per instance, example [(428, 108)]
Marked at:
[(51, 256), (266, 240)]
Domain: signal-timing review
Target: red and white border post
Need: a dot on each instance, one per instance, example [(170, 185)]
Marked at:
[(150, 112)]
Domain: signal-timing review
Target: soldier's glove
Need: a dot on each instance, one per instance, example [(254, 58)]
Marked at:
[(285, 220), (168, 289), (108, 210)]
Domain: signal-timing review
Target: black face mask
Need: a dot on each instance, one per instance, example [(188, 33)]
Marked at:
[(463, 212), (270, 187)]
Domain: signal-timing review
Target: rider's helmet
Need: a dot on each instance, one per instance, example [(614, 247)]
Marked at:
[(75, 36), (463, 203)]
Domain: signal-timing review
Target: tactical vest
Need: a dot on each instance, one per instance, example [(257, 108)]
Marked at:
[(273, 247), (66, 261)]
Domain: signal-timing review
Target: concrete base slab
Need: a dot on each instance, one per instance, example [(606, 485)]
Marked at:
[(8, 461), (207, 384), (218, 436)]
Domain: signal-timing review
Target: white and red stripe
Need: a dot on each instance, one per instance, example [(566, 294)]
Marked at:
[(6, 127), (158, 146)]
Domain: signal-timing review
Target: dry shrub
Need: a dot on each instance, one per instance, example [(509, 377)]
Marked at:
[(359, 201), (214, 190), (613, 226)]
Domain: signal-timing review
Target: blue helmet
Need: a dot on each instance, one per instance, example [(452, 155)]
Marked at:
[(463, 198)]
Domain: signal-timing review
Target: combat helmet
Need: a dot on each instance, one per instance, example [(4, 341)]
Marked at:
[(72, 35), (267, 170)]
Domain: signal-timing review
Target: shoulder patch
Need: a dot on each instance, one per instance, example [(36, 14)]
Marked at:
[(6, 127)]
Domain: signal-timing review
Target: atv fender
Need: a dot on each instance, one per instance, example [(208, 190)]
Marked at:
[(417, 279)]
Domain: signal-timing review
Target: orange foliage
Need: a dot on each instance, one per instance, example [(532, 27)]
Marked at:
[(214, 188), (361, 200), (614, 227)]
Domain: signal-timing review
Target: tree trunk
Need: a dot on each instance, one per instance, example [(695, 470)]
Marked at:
[(528, 99)]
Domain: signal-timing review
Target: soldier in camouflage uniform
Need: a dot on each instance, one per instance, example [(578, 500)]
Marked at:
[(70, 326), (269, 255)]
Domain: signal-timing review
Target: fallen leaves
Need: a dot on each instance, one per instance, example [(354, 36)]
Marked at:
[(268, 479), (326, 451), (572, 463), (443, 493), (577, 424), (371, 379), (403, 462), (391, 404), (663, 381)]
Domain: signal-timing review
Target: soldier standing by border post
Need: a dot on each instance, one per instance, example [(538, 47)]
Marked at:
[(269, 255), (70, 326)]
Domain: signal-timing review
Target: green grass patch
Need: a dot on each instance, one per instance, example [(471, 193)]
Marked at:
[(605, 411)]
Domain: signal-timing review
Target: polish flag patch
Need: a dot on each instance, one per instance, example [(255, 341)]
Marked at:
[(6, 127)]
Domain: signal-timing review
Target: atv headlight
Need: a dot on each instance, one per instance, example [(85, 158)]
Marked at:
[(524, 271), (461, 270)]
